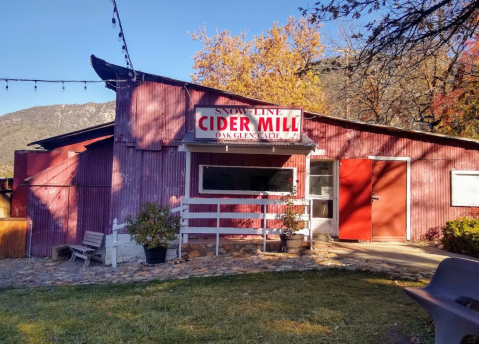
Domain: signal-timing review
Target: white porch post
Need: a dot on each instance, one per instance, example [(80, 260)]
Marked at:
[(218, 209), (114, 245), (187, 187)]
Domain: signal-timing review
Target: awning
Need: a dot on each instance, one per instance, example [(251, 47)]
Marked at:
[(305, 146)]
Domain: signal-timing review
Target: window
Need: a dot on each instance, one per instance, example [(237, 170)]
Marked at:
[(465, 188), (322, 209), (245, 180), (321, 180)]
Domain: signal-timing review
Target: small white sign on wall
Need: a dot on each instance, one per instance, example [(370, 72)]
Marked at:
[(465, 188)]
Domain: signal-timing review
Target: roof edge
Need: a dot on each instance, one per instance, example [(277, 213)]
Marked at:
[(108, 71), (73, 133)]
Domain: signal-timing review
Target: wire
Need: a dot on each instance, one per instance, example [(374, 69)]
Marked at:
[(121, 37), (61, 81)]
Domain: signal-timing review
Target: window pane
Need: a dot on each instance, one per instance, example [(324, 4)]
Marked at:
[(321, 186), (323, 209), (246, 179), (319, 167)]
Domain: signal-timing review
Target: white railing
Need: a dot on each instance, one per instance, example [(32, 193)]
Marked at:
[(264, 216), (116, 242)]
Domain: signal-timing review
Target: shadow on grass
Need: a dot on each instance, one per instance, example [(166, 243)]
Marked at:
[(332, 306)]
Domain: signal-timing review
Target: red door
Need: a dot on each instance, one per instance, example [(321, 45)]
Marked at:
[(355, 199), (389, 200)]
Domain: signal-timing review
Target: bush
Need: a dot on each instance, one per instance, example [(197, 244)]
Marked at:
[(462, 236), (154, 225)]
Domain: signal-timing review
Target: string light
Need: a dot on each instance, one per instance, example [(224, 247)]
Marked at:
[(113, 22), (121, 37), (111, 82)]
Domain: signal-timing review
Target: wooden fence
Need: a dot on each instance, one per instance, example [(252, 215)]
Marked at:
[(5, 203), (12, 237), (264, 216)]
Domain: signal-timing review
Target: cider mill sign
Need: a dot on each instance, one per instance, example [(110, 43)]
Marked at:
[(248, 123)]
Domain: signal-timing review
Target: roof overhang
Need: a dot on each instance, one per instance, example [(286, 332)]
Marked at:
[(303, 147)]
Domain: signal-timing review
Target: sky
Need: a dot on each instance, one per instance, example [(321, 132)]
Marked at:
[(53, 40)]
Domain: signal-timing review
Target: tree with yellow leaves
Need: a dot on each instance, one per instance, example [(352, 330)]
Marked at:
[(277, 67)]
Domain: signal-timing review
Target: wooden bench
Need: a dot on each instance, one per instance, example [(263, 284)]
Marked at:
[(92, 247), (452, 299)]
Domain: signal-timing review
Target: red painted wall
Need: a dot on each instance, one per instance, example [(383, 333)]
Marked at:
[(27, 164), (432, 159), (153, 117), (69, 198)]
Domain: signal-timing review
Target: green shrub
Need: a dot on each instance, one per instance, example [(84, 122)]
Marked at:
[(154, 225), (462, 236)]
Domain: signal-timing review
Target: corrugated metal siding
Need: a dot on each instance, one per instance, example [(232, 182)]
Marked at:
[(141, 172), (69, 198), (26, 164), (432, 159), (165, 112)]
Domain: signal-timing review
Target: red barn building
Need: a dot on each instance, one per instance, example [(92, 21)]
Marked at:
[(175, 140)]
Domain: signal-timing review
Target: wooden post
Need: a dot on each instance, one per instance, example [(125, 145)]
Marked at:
[(264, 225), (114, 247), (218, 226)]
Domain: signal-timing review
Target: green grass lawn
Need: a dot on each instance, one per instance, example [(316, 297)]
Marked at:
[(329, 306)]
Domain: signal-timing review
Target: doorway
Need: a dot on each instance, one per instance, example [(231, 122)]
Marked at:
[(389, 201), (373, 199)]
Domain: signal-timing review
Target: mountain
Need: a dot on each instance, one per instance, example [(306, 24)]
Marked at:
[(19, 128)]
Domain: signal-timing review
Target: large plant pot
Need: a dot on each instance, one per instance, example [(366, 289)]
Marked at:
[(155, 255), (291, 243)]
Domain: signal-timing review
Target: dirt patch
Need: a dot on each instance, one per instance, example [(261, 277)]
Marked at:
[(393, 336)]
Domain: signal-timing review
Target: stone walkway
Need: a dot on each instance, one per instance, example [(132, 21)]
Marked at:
[(34, 272)]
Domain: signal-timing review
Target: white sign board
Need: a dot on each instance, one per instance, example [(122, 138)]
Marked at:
[(465, 188), (248, 123)]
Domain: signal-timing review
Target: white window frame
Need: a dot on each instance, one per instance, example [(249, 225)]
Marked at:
[(456, 199), (245, 192)]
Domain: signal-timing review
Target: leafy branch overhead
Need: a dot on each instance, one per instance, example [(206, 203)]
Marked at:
[(405, 27)]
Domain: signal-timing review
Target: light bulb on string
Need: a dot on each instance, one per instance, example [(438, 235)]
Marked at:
[(63, 88), (6, 87), (130, 74), (85, 87), (120, 36), (123, 49), (113, 22), (35, 86)]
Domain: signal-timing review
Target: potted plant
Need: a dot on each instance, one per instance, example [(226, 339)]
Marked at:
[(154, 226), (291, 223)]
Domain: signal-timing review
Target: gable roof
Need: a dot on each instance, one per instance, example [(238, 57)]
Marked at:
[(73, 137), (110, 72)]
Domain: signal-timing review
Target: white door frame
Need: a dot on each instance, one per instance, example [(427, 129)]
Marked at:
[(408, 187), (335, 199)]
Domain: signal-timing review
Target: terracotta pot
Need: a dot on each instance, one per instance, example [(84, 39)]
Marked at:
[(155, 255), (291, 243)]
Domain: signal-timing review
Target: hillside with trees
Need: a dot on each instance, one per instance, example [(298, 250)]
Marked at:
[(19, 128)]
